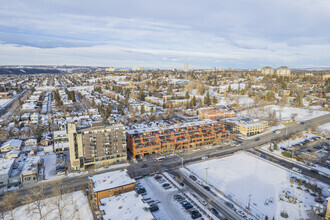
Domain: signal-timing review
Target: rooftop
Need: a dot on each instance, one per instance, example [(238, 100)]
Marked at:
[(125, 206), (5, 165), (12, 142), (111, 180)]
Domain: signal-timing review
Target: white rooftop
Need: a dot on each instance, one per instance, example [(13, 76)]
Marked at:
[(125, 206), (30, 165), (12, 142), (5, 165), (111, 180)]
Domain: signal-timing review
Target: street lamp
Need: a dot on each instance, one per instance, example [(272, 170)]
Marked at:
[(206, 174)]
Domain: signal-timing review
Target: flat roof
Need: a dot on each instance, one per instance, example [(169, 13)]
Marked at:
[(111, 180), (125, 206)]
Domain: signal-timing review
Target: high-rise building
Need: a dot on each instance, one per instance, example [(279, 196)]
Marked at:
[(267, 70), (186, 67), (96, 146), (283, 71)]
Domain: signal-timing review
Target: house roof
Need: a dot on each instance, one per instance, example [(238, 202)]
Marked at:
[(111, 180)]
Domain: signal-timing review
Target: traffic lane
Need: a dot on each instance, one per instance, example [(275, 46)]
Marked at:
[(228, 213), (305, 171)]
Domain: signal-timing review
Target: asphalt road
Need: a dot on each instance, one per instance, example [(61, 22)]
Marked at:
[(286, 164), (217, 203)]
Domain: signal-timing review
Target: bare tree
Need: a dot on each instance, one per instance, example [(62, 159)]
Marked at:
[(9, 201), (36, 198), (58, 202)]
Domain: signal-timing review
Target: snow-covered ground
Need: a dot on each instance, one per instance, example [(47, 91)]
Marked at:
[(240, 100), (169, 209), (75, 206), (242, 174), (324, 129), (50, 167), (285, 113)]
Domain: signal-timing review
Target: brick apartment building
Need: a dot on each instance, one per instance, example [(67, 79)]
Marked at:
[(141, 142), (97, 145), (216, 113)]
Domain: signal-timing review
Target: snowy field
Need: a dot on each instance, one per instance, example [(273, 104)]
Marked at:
[(75, 206), (285, 113), (242, 175), (169, 209), (240, 100)]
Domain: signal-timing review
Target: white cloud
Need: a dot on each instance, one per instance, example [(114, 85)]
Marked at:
[(241, 34)]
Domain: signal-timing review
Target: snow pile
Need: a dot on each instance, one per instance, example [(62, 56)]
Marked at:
[(241, 175)]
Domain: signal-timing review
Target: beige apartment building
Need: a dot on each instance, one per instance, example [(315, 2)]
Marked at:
[(267, 70), (246, 126), (97, 145)]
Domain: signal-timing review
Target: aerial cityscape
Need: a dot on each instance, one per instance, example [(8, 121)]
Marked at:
[(172, 110)]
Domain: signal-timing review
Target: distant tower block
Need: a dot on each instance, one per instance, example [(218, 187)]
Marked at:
[(186, 67)]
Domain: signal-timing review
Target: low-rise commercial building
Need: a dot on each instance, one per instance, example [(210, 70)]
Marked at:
[(109, 184), (246, 126)]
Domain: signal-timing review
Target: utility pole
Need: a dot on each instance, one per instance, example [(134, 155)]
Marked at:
[(206, 174), (249, 204)]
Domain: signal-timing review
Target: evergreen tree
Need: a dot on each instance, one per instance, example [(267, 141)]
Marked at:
[(214, 100), (142, 109), (207, 99), (187, 95), (193, 101)]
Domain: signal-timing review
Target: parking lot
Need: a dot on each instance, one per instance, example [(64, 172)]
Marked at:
[(165, 200)]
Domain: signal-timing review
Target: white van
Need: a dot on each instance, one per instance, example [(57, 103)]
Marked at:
[(297, 169)]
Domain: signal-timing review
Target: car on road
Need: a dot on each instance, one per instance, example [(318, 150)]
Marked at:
[(144, 165), (193, 177), (257, 139), (214, 211), (314, 171), (199, 183), (207, 188), (297, 169), (277, 131), (229, 204), (182, 184)]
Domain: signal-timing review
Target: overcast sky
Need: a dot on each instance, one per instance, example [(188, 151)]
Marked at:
[(167, 33)]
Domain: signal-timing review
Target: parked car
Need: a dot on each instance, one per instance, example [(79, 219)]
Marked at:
[(182, 184), (187, 207), (165, 185), (185, 204), (153, 208), (196, 215)]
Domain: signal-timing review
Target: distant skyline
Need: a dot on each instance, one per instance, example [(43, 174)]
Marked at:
[(166, 34)]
